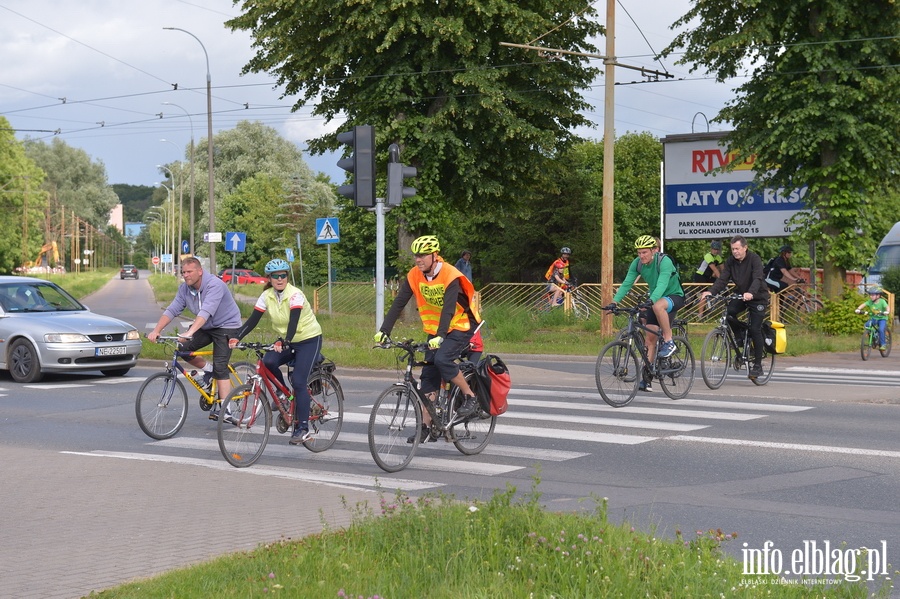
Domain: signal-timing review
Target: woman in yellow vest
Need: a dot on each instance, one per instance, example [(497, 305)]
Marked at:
[(444, 299), (293, 320)]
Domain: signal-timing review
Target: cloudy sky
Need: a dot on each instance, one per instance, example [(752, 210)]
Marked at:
[(97, 73)]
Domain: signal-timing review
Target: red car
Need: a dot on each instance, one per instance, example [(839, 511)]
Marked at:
[(242, 276)]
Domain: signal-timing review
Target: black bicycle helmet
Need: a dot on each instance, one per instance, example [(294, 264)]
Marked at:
[(715, 245), (566, 250), (785, 249)]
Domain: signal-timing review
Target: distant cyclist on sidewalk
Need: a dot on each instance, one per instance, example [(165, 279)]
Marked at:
[(666, 295), (558, 276), (444, 299), (877, 306), (708, 270), (293, 320), (745, 269), (216, 316)]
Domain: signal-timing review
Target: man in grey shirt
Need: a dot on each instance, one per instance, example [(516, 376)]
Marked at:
[(216, 318)]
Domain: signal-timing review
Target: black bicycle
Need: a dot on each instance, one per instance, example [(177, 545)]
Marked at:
[(624, 362), (722, 349), (397, 413)]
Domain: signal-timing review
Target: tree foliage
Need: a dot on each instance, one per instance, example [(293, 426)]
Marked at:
[(479, 120), (819, 107), (252, 150), (23, 201), (74, 180)]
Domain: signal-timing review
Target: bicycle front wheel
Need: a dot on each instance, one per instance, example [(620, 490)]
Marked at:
[(161, 405), (617, 374), (714, 358), (472, 436), (887, 344), (676, 372), (326, 411), (244, 422), (865, 344), (395, 415), (767, 364)]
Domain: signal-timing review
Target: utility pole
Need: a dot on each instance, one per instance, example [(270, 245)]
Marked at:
[(609, 134)]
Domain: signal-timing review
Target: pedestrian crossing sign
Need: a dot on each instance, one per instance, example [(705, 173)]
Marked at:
[(327, 230)]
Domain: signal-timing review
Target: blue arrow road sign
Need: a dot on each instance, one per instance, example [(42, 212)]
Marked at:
[(185, 247), (289, 253), (327, 230), (235, 241)]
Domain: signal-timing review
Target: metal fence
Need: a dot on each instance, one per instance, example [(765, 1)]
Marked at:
[(792, 306)]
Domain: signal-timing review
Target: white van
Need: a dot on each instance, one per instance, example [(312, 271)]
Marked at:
[(886, 256)]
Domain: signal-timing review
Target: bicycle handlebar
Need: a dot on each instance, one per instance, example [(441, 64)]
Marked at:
[(408, 345)]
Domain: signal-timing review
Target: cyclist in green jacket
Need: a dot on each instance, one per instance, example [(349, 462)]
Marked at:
[(666, 295)]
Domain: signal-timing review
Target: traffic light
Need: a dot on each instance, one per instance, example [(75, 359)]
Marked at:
[(397, 172), (361, 164)]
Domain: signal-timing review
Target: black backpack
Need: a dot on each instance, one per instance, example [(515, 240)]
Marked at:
[(769, 266)]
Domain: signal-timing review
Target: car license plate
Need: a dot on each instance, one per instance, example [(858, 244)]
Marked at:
[(110, 351)]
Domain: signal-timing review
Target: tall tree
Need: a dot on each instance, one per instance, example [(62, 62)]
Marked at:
[(478, 120), (819, 107), (74, 180), (250, 150), (22, 228)]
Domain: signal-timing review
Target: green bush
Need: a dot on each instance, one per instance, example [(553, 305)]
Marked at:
[(838, 317), (890, 279)]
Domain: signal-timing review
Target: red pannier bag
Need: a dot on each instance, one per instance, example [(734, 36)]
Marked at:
[(494, 381)]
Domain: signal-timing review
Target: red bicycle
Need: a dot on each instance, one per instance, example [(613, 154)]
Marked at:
[(248, 410)]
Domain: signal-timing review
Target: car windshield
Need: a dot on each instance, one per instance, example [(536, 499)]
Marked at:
[(36, 297), (886, 257)]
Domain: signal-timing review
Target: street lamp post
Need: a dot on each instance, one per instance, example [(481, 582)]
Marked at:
[(176, 236), (164, 222), (170, 226), (191, 249), (209, 147)]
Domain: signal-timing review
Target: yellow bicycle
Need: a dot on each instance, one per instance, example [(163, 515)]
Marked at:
[(162, 402)]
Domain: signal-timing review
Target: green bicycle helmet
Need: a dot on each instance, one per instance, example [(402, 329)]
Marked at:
[(427, 244), (644, 242), (276, 265)]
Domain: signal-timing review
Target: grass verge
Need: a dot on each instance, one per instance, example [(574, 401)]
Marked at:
[(436, 547)]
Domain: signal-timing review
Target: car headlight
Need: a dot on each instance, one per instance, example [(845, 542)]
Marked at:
[(132, 335), (66, 338)]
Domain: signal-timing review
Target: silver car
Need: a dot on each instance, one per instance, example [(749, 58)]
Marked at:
[(44, 329)]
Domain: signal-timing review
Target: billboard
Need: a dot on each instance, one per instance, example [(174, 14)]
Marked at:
[(702, 203)]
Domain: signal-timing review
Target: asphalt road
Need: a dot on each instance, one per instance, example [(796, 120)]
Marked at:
[(808, 460)]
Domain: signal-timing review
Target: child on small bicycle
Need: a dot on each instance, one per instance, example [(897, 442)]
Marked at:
[(878, 307), (293, 319)]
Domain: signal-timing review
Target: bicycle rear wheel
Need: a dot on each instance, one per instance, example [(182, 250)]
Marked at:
[(581, 310), (161, 405), (395, 415), (714, 358), (244, 422), (768, 365), (617, 374), (472, 436), (865, 344), (326, 411), (242, 372), (676, 372), (887, 344)]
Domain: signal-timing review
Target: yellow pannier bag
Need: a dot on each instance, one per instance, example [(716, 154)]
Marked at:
[(775, 336)]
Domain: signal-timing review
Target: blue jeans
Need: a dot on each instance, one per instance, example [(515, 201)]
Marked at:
[(882, 325), (303, 356)]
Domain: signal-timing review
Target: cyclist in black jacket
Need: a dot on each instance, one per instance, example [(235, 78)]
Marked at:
[(745, 269)]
